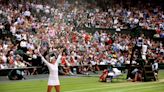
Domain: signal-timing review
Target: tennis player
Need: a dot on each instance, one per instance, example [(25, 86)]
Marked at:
[(53, 80)]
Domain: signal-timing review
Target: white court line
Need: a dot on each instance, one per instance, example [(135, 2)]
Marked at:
[(118, 90)]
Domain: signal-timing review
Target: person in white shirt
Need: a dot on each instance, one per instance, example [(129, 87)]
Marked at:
[(27, 13), (53, 80), (23, 45), (144, 51)]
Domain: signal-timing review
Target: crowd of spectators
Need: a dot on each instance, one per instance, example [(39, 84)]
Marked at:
[(57, 27)]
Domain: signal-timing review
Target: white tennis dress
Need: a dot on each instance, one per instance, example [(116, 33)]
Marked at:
[(53, 69)]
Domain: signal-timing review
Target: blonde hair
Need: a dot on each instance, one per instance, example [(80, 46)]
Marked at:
[(52, 58)]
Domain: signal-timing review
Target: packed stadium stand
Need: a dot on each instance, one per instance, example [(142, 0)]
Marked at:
[(94, 33)]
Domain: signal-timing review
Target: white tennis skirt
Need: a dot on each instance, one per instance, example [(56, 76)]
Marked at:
[(53, 82)]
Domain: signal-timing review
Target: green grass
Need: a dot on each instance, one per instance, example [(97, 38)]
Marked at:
[(85, 84)]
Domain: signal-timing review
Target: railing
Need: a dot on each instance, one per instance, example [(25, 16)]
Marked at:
[(4, 72)]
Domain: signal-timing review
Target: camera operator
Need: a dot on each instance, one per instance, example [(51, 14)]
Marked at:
[(16, 74)]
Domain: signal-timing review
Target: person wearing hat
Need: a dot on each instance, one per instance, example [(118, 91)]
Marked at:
[(53, 80)]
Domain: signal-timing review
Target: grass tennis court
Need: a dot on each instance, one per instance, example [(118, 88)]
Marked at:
[(85, 84)]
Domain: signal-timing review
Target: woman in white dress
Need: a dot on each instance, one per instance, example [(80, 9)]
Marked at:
[(53, 80)]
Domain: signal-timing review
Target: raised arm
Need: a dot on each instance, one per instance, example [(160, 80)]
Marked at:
[(60, 55), (59, 58), (43, 59)]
